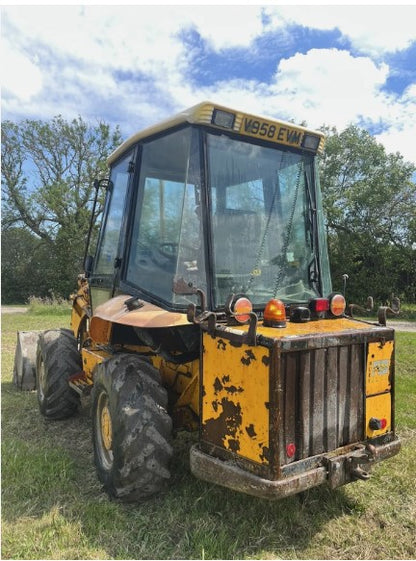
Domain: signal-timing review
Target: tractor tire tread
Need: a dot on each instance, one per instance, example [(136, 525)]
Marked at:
[(142, 428), (58, 350)]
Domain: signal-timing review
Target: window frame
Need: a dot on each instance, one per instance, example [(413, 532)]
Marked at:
[(138, 192)]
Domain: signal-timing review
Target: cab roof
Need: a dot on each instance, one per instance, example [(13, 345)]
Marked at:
[(219, 117)]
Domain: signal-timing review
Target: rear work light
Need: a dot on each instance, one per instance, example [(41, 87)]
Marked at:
[(311, 141), (337, 304), (274, 314), (223, 119)]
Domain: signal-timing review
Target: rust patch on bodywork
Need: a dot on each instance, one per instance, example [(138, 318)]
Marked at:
[(235, 392), (265, 360), (251, 431), (249, 356), (227, 424), (217, 385)]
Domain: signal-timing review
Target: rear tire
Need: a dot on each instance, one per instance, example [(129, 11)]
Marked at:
[(131, 428), (57, 359)]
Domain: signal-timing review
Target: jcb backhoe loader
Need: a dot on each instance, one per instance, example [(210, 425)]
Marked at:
[(208, 306)]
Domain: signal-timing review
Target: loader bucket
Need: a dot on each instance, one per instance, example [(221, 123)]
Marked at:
[(24, 370)]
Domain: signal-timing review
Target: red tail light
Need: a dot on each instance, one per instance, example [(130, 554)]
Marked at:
[(319, 305), (377, 424)]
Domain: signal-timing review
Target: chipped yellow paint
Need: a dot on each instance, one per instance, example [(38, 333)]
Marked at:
[(378, 367), (378, 406), (235, 398)]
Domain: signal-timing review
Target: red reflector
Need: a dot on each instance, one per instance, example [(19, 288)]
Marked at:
[(290, 450), (383, 423)]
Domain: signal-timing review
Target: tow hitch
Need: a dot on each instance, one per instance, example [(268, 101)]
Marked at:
[(351, 466)]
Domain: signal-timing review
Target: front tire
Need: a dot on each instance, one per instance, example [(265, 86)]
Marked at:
[(57, 358), (131, 428)]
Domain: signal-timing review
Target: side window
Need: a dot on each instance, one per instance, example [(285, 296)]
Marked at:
[(114, 214)]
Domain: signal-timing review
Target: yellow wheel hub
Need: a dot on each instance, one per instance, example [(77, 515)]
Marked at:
[(106, 427)]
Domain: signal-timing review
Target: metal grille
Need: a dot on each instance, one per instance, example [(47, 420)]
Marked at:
[(320, 400)]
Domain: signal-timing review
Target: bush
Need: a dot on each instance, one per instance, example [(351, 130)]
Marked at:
[(48, 305)]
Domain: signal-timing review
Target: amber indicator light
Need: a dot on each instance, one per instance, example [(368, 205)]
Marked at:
[(337, 305), (275, 314), (242, 309)]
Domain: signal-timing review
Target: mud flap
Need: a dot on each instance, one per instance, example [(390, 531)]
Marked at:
[(24, 369)]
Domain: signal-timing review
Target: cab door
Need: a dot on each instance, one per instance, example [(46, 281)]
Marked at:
[(108, 258)]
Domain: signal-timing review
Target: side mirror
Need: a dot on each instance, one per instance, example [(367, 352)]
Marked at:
[(88, 263)]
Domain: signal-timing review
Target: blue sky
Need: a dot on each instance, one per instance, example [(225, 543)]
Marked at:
[(136, 64)]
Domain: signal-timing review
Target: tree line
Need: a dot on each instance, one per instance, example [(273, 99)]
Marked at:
[(48, 170)]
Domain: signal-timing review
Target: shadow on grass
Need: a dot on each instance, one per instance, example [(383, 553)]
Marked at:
[(49, 464)]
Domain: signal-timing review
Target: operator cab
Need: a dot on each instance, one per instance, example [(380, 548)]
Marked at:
[(218, 201)]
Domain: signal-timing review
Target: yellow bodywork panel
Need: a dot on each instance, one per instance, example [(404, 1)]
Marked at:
[(100, 330), (378, 367), (90, 358), (378, 406), (80, 304), (181, 378), (235, 397)]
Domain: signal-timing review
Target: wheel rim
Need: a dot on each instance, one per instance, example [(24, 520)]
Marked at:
[(105, 431)]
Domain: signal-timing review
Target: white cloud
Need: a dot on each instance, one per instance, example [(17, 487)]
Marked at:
[(21, 77), (70, 60), (330, 86), (325, 86), (401, 126), (371, 29)]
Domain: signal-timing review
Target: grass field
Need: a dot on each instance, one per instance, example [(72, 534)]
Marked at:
[(53, 506)]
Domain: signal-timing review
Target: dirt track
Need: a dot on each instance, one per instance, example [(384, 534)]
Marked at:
[(402, 325)]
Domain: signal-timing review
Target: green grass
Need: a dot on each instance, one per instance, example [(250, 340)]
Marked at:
[(53, 506)]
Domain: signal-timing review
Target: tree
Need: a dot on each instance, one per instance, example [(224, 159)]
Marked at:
[(370, 203), (48, 171), (25, 266)]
